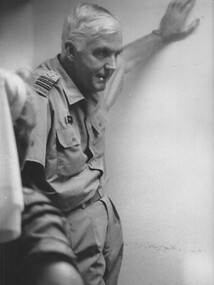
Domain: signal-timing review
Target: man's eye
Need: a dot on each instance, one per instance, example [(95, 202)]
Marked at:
[(101, 53)]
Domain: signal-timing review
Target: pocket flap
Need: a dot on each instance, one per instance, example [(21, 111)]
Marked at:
[(67, 137)]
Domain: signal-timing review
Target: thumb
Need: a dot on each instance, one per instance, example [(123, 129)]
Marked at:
[(191, 27)]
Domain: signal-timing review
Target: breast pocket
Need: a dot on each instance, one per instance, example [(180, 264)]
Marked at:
[(98, 122), (70, 158)]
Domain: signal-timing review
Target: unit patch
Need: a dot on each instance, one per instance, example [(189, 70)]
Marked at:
[(45, 82)]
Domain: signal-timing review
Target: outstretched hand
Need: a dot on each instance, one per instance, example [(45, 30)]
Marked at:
[(172, 26)]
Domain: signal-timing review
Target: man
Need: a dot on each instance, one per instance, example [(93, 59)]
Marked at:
[(34, 248), (75, 91)]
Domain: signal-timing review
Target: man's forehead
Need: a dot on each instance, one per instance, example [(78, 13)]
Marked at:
[(113, 41)]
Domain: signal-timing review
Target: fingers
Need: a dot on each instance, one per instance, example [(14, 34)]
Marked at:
[(181, 5), (189, 5), (176, 3)]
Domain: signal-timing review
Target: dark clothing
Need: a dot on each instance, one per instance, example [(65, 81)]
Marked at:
[(43, 239)]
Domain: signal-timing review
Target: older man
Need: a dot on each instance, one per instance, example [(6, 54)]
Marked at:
[(75, 91)]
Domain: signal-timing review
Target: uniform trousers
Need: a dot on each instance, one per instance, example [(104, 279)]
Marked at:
[(96, 238)]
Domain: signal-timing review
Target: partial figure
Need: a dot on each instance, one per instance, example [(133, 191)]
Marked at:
[(75, 91), (34, 248)]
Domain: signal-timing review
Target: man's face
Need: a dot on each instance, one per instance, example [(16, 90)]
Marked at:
[(96, 61)]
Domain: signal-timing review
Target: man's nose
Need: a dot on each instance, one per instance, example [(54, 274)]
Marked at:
[(111, 63)]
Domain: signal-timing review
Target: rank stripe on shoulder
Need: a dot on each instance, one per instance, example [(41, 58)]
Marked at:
[(44, 83)]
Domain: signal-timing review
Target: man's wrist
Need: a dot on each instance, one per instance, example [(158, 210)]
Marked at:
[(158, 34)]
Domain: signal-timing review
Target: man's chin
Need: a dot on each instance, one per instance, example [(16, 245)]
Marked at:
[(100, 87)]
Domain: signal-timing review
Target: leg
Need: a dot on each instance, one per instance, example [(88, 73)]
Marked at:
[(87, 230), (113, 250)]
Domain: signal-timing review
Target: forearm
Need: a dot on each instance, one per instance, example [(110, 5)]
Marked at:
[(172, 27), (139, 51)]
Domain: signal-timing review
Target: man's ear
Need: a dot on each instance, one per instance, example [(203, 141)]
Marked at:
[(70, 50)]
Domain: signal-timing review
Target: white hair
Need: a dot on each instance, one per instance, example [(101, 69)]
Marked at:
[(88, 20)]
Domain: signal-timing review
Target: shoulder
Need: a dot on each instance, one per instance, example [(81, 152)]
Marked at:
[(45, 80)]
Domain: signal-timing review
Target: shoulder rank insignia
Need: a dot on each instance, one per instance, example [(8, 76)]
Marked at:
[(45, 82)]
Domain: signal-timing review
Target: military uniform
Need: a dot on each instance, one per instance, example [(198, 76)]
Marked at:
[(69, 142)]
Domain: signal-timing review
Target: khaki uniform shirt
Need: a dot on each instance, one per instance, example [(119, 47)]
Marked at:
[(68, 140)]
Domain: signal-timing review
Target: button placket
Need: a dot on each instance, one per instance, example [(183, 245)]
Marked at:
[(90, 135)]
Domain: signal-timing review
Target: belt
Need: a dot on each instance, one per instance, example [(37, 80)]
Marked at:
[(95, 198)]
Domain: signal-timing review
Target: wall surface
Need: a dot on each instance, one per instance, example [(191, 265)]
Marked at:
[(159, 141), (162, 161), (16, 35)]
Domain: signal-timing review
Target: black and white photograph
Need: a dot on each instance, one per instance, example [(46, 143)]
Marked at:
[(106, 142)]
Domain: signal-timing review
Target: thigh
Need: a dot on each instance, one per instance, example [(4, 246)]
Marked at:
[(113, 250), (87, 229)]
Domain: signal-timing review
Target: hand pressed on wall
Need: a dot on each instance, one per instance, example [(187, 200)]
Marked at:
[(173, 24)]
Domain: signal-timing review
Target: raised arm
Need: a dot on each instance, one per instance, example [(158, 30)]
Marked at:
[(172, 27)]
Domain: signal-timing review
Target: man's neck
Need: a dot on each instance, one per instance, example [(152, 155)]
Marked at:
[(68, 67), (91, 100)]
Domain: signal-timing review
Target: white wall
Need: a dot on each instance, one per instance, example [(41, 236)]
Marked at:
[(162, 163), (160, 139)]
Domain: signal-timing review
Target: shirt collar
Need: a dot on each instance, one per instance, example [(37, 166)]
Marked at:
[(71, 91)]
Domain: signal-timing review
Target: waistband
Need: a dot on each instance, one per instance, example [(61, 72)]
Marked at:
[(84, 205)]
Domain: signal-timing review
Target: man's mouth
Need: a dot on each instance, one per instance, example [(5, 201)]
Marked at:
[(103, 77)]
